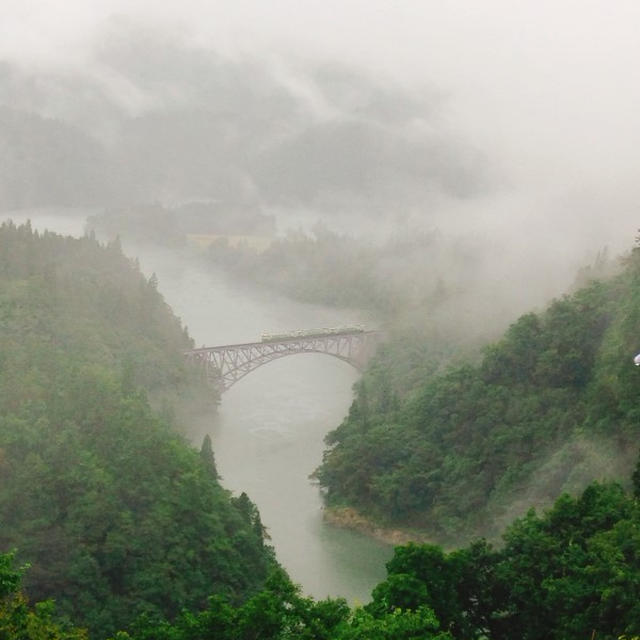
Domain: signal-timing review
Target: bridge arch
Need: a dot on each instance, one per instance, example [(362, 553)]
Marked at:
[(225, 365)]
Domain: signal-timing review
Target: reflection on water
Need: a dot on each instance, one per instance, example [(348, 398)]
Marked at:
[(269, 434)]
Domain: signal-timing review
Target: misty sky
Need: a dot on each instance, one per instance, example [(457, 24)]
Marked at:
[(556, 69), (547, 91)]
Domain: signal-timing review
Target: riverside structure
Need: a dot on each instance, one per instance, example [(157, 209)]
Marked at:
[(225, 365)]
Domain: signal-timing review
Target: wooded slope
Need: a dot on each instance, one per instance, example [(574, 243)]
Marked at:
[(551, 406), (116, 514)]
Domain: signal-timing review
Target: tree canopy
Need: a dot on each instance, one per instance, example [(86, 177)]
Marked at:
[(116, 514), (550, 407)]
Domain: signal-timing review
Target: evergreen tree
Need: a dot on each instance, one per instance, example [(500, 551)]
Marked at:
[(207, 457)]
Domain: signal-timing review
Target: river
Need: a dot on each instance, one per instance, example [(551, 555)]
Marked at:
[(268, 436)]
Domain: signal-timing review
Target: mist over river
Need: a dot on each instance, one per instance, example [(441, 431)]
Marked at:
[(268, 436)]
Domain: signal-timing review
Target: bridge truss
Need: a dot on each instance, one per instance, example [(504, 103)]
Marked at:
[(225, 365)]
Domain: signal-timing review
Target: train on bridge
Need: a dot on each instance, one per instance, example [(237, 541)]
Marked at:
[(312, 333), (224, 365)]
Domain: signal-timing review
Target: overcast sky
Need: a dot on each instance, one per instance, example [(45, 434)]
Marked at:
[(542, 69), (549, 89)]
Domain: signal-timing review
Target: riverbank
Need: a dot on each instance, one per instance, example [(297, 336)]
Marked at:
[(350, 518), (269, 431)]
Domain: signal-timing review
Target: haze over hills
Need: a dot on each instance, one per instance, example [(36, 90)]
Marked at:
[(437, 169), (188, 122), (162, 115)]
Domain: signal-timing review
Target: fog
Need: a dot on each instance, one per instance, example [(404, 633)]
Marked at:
[(513, 120), (507, 128), (486, 150)]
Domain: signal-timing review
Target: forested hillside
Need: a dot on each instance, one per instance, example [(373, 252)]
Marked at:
[(571, 572), (551, 406), (116, 515)]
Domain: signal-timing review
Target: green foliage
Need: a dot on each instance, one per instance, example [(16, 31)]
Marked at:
[(207, 457), (115, 513), (579, 565), (571, 573), (9, 577), (451, 451), (18, 620), (279, 612), (396, 625)]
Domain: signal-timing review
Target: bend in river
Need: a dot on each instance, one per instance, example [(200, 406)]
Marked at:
[(269, 433)]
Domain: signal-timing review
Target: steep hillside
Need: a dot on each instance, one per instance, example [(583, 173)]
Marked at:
[(551, 406), (115, 513), (571, 572)]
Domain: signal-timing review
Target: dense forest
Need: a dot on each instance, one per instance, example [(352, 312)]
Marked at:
[(549, 407), (115, 514), (107, 511), (571, 572), (436, 170)]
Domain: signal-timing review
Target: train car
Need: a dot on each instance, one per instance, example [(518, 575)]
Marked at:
[(310, 333)]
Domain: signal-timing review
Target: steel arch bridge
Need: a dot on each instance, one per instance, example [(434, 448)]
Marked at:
[(223, 366)]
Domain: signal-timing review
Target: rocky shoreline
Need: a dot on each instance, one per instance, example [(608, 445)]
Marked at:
[(349, 518)]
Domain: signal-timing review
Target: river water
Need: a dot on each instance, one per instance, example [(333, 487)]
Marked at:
[(268, 436)]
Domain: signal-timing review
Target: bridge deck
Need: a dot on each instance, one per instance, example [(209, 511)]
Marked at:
[(224, 365), (246, 345)]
